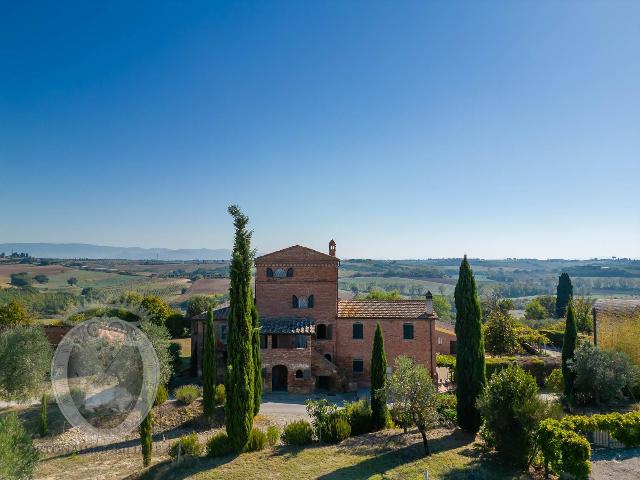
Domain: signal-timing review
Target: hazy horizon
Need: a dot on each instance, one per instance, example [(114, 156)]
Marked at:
[(413, 130)]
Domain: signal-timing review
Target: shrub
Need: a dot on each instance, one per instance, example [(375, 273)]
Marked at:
[(219, 396), (18, 455), (219, 446), (563, 450), (257, 441), (188, 445), (297, 433), (272, 435), (187, 394), (601, 376), (512, 411), (175, 360), (446, 407), (400, 417), (162, 395), (20, 279), (336, 429), (554, 381), (321, 412), (359, 415), (177, 325)]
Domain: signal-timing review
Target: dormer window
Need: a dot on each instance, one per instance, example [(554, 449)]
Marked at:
[(280, 273), (269, 272)]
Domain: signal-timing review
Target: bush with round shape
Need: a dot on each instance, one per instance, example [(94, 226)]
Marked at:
[(272, 435), (336, 429), (187, 445), (359, 415), (512, 411), (18, 455), (219, 446), (219, 396), (447, 407), (257, 441), (297, 433), (187, 394)]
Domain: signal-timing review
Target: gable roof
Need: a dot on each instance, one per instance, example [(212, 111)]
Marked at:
[(295, 254), (383, 309)]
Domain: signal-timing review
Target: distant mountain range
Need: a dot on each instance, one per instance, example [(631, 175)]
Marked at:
[(84, 250)]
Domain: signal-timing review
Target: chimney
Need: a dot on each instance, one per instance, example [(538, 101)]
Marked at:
[(332, 248), (429, 303)]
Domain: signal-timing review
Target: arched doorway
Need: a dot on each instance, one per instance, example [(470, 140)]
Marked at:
[(279, 378)]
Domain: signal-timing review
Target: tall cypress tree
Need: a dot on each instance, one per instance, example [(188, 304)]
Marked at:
[(470, 362), (568, 350), (240, 365), (564, 293), (146, 438), (209, 367), (378, 381), (257, 359)]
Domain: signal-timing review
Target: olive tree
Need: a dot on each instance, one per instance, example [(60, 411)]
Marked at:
[(414, 396)]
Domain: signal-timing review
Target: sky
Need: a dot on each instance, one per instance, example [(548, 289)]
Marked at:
[(400, 129)]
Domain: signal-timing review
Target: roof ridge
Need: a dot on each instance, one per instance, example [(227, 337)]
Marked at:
[(282, 250)]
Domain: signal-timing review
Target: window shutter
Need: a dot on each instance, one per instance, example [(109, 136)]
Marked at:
[(329, 331), (294, 301), (290, 272), (310, 301), (306, 374), (269, 272)]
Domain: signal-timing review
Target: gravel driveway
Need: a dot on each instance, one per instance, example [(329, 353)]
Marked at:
[(616, 465)]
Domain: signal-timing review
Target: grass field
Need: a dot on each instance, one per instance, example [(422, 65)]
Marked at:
[(385, 455)]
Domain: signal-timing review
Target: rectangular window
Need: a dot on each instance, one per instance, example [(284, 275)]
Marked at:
[(223, 333), (440, 340), (358, 331), (263, 342), (301, 341), (274, 341), (407, 331), (358, 366)]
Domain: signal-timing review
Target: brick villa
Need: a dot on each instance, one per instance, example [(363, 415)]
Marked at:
[(312, 340)]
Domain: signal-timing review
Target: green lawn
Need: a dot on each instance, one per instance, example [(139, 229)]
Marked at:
[(387, 455)]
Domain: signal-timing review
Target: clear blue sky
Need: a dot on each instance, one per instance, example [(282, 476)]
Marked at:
[(401, 129)]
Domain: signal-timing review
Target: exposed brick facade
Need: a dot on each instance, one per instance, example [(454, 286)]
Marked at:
[(300, 283)]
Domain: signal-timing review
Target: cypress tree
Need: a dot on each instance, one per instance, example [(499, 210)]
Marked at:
[(146, 439), (568, 350), (378, 381), (470, 362), (240, 366), (257, 359), (43, 420), (209, 367), (564, 293)]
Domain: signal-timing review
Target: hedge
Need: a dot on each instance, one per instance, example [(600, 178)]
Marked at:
[(539, 367), (565, 450)]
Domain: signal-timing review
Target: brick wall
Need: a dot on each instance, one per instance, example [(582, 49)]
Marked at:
[(395, 345), (292, 358)]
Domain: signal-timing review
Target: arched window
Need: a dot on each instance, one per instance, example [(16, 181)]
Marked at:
[(294, 301), (279, 273), (327, 356), (299, 374), (310, 301), (303, 302), (321, 331), (289, 272), (269, 272)]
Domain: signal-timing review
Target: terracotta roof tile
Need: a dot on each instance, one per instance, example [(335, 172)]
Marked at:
[(382, 309), (626, 307), (296, 252)]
